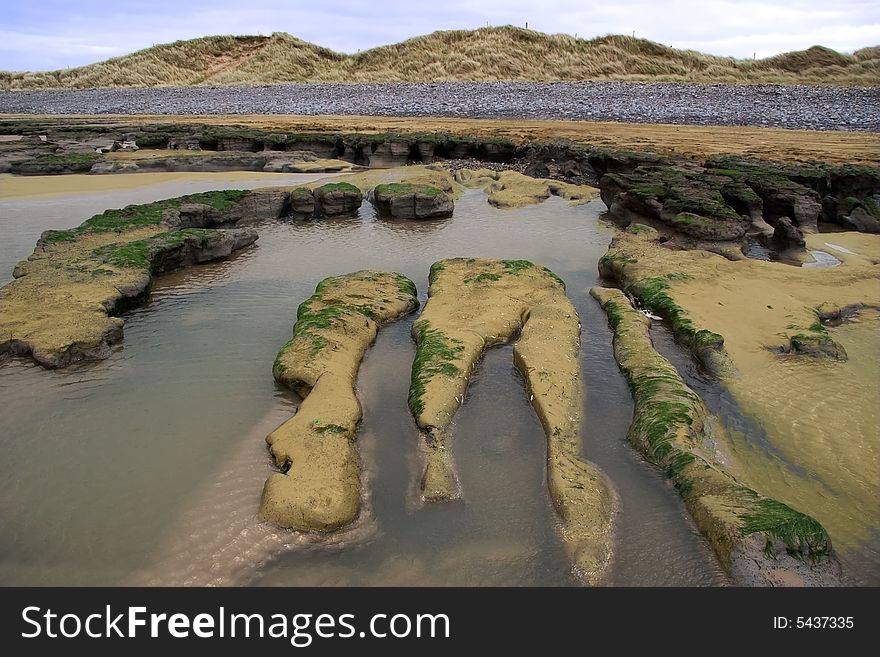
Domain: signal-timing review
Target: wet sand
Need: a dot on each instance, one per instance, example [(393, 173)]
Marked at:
[(821, 417), (29, 187)]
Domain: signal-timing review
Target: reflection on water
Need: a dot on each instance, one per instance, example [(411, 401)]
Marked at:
[(148, 467), (821, 260)]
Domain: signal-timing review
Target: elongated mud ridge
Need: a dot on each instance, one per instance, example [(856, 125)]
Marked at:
[(652, 291), (475, 304), (785, 361), (319, 486), (758, 540)]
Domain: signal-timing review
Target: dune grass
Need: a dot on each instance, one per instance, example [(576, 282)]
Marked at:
[(493, 53)]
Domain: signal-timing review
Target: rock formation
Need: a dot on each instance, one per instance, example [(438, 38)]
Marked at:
[(759, 541), (64, 303), (318, 488), (337, 198), (473, 305), (728, 197), (405, 200)]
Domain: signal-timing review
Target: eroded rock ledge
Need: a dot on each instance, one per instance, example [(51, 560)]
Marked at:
[(64, 303), (406, 200), (318, 488), (758, 540), (729, 198), (652, 292), (475, 304)]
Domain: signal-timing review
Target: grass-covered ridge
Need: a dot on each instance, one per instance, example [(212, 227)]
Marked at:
[(491, 53)]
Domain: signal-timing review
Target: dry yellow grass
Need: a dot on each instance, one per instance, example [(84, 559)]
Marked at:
[(688, 140), (494, 53)]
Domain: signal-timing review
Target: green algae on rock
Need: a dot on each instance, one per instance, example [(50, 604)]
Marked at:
[(707, 346), (63, 304), (318, 488), (473, 305), (408, 200), (728, 197), (337, 198), (759, 541)]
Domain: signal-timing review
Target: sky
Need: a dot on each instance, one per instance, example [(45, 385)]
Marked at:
[(40, 35)]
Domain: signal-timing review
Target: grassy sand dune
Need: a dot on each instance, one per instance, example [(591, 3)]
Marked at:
[(493, 53)]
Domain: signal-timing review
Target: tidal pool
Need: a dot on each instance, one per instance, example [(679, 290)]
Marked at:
[(147, 468)]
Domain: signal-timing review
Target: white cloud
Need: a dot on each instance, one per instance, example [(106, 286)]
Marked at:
[(65, 35)]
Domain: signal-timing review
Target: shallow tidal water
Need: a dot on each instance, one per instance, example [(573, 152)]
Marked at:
[(147, 468)]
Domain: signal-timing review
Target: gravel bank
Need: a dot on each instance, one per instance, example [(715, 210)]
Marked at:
[(814, 108)]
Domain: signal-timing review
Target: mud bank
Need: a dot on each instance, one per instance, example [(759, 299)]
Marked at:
[(319, 486), (473, 305), (65, 301), (777, 335), (759, 541), (208, 161), (510, 189), (145, 161), (45, 148)]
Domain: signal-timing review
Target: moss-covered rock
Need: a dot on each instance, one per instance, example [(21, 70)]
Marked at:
[(786, 190), (56, 164), (337, 198), (719, 201), (759, 541), (474, 304), (406, 200), (318, 487), (604, 160), (691, 204), (63, 304), (817, 345), (302, 201)]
